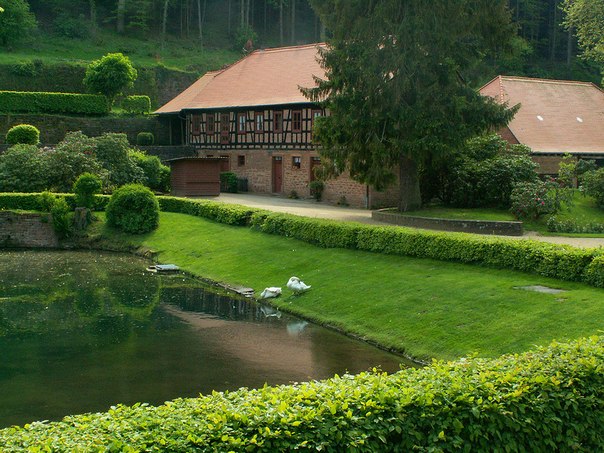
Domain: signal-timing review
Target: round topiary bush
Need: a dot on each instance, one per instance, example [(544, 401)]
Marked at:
[(23, 134), (85, 188), (133, 208), (145, 139)]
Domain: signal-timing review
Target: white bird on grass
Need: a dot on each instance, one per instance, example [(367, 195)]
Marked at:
[(270, 292), (297, 286)]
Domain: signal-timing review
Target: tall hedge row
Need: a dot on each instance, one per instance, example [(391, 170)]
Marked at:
[(551, 260), (549, 399), (39, 102)]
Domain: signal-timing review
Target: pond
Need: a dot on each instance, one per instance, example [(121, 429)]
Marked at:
[(81, 331)]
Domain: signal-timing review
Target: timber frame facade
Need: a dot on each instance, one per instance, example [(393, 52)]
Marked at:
[(275, 127)]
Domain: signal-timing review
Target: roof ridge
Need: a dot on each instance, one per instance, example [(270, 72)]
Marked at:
[(542, 80), (286, 48)]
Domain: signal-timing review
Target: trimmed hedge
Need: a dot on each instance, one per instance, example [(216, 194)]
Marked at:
[(551, 260), (33, 201), (39, 102), (23, 134), (137, 104), (549, 399)]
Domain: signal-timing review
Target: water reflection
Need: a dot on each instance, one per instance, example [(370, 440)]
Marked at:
[(81, 331)]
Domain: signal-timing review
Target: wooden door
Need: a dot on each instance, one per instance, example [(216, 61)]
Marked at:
[(225, 127), (277, 174), (314, 163)]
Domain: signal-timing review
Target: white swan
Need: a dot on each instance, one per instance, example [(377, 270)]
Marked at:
[(270, 292), (297, 286)]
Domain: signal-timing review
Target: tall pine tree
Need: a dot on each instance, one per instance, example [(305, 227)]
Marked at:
[(395, 88)]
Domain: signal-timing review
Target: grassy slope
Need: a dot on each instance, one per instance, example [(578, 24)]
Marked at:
[(427, 308)]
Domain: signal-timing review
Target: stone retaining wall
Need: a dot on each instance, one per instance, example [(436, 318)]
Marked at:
[(27, 230), (465, 226)]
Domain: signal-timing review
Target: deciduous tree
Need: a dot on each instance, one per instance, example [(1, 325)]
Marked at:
[(16, 21), (395, 88), (586, 17), (110, 75)]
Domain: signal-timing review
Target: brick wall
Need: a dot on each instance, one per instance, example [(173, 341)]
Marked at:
[(257, 168), (548, 165), (26, 230)]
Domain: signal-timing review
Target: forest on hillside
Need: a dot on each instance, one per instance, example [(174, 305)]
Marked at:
[(544, 47)]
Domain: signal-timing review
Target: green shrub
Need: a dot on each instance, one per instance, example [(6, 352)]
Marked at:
[(46, 201), (594, 274), (71, 158), (110, 75), (137, 104), (151, 167), (37, 102), (316, 189), (23, 134), (113, 152), (17, 22), (593, 185), (556, 225), (145, 139), (165, 183), (228, 182), (530, 200), (24, 168), (133, 209), (60, 217), (548, 399), (85, 188), (33, 201)]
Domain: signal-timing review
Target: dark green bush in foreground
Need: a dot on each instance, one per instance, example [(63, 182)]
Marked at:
[(23, 134), (549, 399), (133, 209)]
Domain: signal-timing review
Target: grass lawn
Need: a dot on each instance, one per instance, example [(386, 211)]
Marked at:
[(176, 54), (426, 308), (584, 210)]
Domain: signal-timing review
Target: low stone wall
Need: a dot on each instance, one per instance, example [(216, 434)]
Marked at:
[(464, 226), (27, 230)]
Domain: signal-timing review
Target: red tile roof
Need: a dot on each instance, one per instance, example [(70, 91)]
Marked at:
[(555, 116), (264, 77)]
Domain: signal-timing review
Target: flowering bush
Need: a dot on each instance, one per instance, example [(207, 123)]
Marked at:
[(530, 200)]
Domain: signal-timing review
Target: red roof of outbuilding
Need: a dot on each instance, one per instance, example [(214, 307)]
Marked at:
[(264, 77), (555, 116)]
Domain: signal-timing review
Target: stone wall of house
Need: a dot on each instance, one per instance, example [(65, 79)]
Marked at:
[(53, 127), (27, 230)]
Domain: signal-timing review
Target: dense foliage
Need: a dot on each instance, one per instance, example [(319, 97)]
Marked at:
[(145, 139), (137, 104), (109, 157), (133, 209), (228, 182), (593, 185), (542, 400), (85, 188), (34, 102), (586, 18), (482, 173), (110, 75), (16, 22), (23, 134), (394, 87)]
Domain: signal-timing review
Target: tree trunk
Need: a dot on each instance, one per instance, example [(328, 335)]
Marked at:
[(409, 197), (93, 28), (164, 23), (569, 47), (121, 14), (281, 22), (242, 13), (293, 24), (229, 18)]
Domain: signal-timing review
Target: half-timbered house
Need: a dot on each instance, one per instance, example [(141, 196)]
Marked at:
[(254, 115)]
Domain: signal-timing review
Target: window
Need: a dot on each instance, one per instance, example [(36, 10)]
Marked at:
[(225, 127), (278, 122), (196, 124), (297, 121), (241, 120), (296, 162), (259, 121), (240, 161), (210, 126)]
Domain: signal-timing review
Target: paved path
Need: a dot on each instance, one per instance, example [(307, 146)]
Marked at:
[(311, 208)]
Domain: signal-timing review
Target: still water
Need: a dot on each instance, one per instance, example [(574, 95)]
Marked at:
[(81, 331)]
